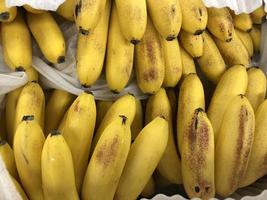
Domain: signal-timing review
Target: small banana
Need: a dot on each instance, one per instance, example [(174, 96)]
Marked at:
[(120, 55), (7, 14), (32, 10), (108, 160), (233, 82), (243, 21), (255, 35), (220, 23), (211, 62), (143, 158), (58, 178), (66, 10), (138, 122), (188, 64), (19, 189), (149, 61), (246, 40), (150, 188), (28, 144), (132, 16), (258, 16), (232, 155), (256, 90), (101, 108), (91, 50), (52, 43)]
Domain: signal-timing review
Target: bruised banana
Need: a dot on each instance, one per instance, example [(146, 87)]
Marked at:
[(188, 63), (138, 121), (101, 108), (150, 189), (258, 16), (246, 40), (32, 10), (255, 35), (66, 10), (7, 14)]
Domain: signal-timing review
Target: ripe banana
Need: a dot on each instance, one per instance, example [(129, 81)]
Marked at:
[(232, 155), (78, 128), (170, 164), (91, 50), (198, 157), (194, 16), (108, 160), (246, 40), (211, 62), (132, 16), (256, 90), (16, 43), (7, 14), (138, 122), (150, 189), (32, 10), (243, 21), (101, 108), (54, 52), (166, 16), (28, 144), (149, 61), (233, 82), (173, 62), (58, 178), (19, 189), (144, 156), (191, 97), (258, 16), (87, 14), (188, 64), (255, 35), (220, 23), (120, 53), (66, 10)]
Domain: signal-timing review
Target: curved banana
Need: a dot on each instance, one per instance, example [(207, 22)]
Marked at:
[(32, 10), (132, 16), (246, 40), (144, 156), (7, 14), (233, 82), (120, 55), (66, 10), (91, 50), (101, 108), (108, 160), (150, 189), (258, 16), (188, 63), (243, 22), (232, 155), (138, 122), (255, 35)]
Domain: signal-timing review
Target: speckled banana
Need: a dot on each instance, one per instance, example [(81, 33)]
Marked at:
[(66, 10), (7, 14), (246, 40), (138, 122), (258, 16), (101, 108), (255, 35), (188, 63)]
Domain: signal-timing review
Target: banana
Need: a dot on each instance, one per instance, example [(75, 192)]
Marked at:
[(28, 144), (54, 52), (150, 189), (66, 10), (255, 35), (32, 74), (188, 64), (173, 101), (242, 22), (138, 121), (7, 155), (143, 158), (58, 178), (149, 61), (256, 90), (232, 155), (211, 62), (258, 16), (87, 14), (79, 129), (119, 59), (16, 43), (19, 189), (91, 51), (170, 164), (32, 10), (198, 157), (233, 82), (102, 107), (194, 16), (108, 160), (246, 40), (7, 14), (132, 16), (173, 62), (166, 16), (257, 160), (233, 52), (56, 107), (193, 44), (220, 23), (191, 97)]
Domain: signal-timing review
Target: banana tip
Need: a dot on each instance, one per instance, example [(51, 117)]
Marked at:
[(61, 59), (54, 133), (4, 16), (28, 118), (20, 69), (134, 41), (170, 37), (83, 31)]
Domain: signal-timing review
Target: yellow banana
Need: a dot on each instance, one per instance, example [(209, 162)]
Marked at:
[(191, 97), (138, 121), (79, 129), (258, 16), (19, 189), (246, 40), (256, 90), (16, 43), (233, 82), (108, 160), (242, 22), (132, 16), (66, 10), (102, 107), (194, 16), (211, 62), (188, 63), (58, 178), (120, 53), (52, 43), (87, 14), (28, 144), (170, 164), (91, 50), (232, 155), (32, 10), (255, 35), (173, 62), (220, 23), (166, 16), (7, 14), (149, 61), (198, 157), (150, 189), (144, 156)]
